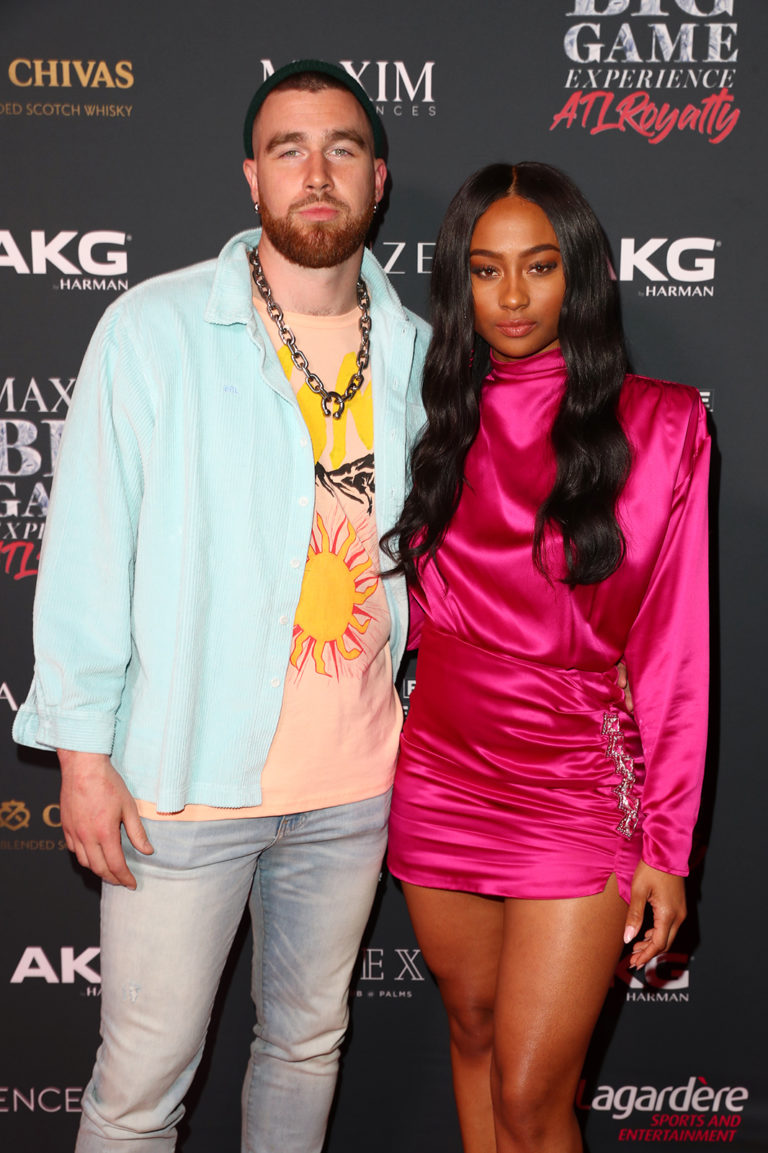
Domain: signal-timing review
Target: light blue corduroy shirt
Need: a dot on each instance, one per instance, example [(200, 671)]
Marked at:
[(178, 530)]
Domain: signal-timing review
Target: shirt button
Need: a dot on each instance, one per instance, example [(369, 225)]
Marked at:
[(275, 682), (303, 442), (303, 501), (283, 620), (295, 562)]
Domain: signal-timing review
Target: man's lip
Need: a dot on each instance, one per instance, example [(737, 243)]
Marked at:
[(318, 212)]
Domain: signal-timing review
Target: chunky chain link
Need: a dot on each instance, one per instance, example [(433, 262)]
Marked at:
[(333, 403)]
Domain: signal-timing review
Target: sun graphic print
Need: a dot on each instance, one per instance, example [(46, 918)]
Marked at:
[(330, 619)]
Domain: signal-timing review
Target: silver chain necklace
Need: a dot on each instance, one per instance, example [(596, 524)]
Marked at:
[(333, 403)]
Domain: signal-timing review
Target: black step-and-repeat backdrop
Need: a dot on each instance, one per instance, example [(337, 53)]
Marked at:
[(120, 144)]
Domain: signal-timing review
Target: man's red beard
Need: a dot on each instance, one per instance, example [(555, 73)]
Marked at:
[(317, 243)]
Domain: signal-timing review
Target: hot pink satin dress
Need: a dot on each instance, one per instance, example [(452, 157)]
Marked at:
[(521, 774)]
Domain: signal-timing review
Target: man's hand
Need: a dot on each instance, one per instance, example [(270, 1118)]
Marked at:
[(95, 802), (665, 893)]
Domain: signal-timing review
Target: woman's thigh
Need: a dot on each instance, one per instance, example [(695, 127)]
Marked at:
[(460, 936), (556, 963)]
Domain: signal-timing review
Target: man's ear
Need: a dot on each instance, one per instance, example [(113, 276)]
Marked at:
[(249, 170)]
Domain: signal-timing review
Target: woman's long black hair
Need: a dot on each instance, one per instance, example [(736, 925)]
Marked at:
[(591, 451)]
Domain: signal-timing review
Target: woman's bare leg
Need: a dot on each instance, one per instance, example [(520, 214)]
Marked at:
[(460, 936), (556, 964)]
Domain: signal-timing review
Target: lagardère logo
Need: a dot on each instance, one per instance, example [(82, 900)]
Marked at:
[(30, 73), (687, 262), (396, 87), (35, 964), (694, 1096)]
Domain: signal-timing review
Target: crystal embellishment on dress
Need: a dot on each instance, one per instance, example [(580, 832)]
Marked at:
[(629, 806)]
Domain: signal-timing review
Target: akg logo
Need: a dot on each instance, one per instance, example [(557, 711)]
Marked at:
[(14, 815), (34, 962), (686, 262), (666, 977), (683, 258), (99, 253), (665, 971)]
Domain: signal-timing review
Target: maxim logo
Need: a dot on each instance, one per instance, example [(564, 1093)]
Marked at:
[(686, 261), (25, 73), (391, 84), (46, 1099)]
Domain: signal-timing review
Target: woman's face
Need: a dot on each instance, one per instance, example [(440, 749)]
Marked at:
[(517, 275)]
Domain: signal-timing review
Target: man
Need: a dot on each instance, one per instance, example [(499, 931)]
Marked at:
[(215, 648)]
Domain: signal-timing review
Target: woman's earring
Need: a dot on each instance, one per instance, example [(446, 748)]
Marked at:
[(255, 206)]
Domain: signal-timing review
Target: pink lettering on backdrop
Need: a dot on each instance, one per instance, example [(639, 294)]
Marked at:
[(714, 117), (18, 555)]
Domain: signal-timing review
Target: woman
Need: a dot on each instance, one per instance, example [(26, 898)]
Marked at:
[(557, 523)]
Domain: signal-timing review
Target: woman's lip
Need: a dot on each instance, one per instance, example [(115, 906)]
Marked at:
[(517, 328)]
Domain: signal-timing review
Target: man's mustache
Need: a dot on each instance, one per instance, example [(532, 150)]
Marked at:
[(314, 201)]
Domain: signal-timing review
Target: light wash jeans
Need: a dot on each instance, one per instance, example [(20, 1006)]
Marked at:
[(309, 880)]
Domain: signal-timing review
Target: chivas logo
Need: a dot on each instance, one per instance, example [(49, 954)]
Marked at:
[(14, 815), (25, 73)]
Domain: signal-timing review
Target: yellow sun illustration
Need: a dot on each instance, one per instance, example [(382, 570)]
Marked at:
[(335, 585)]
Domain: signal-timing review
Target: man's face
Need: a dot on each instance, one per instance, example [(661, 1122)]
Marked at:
[(314, 175)]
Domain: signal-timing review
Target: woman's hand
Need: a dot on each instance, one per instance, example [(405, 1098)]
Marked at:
[(622, 681), (665, 893)]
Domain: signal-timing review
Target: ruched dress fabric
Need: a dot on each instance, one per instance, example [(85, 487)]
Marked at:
[(521, 774)]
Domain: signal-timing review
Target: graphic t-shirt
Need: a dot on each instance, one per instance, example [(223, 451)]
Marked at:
[(337, 737)]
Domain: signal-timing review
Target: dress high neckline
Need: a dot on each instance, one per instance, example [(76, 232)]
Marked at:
[(544, 366)]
